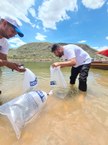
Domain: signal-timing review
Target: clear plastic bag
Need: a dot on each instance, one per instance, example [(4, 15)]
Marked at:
[(57, 82), (23, 108), (57, 78), (30, 81)]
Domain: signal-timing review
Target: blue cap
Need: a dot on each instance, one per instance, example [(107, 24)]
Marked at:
[(15, 26), (18, 31)]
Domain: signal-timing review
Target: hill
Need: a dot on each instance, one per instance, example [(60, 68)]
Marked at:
[(41, 52)]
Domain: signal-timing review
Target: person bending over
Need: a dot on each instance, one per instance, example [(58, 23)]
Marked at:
[(76, 58)]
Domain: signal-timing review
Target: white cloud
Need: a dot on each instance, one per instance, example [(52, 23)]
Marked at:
[(93, 4), (32, 12), (40, 37), (95, 47), (106, 37), (82, 41), (37, 26), (51, 12), (18, 9), (33, 25), (100, 48), (103, 47), (15, 42)]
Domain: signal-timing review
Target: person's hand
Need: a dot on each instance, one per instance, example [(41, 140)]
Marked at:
[(15, 66), (56, 64)]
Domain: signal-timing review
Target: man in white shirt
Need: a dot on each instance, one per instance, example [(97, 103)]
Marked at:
[(8, 29), (76, 57)]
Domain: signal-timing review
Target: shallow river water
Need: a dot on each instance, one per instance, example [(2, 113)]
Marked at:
[(74, 120)]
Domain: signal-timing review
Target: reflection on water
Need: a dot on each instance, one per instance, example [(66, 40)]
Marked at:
[(73, 120)]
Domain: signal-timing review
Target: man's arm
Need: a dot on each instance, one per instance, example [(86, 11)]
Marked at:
[(70, 62), (3, 56), (11, 65)]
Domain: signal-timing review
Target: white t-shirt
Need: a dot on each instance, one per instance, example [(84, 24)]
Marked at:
[(4, 46), (74, 51)]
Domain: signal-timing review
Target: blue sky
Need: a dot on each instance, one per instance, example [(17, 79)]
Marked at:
[(69, 21)]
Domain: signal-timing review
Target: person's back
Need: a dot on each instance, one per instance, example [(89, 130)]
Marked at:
[(74, 51)]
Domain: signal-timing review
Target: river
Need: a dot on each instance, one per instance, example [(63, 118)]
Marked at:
[(74, 120)]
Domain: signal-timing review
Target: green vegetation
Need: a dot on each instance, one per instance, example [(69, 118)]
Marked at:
[(35, 52)]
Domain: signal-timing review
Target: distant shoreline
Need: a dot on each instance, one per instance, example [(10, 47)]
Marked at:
[(31, 60)]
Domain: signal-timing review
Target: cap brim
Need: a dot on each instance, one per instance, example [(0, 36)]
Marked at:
[(18, 31)]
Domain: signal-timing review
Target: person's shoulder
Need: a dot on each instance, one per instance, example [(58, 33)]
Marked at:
[(4, 42), (70, 46)]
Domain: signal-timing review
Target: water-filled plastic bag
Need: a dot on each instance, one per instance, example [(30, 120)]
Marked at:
[(23, 109)]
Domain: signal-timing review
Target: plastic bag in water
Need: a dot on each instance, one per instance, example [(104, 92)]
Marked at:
[(57, 78), (57, 82), (30, 81), (24, 108)]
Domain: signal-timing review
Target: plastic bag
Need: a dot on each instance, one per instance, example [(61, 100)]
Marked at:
[(57, 82), (23, 108), (57, 78), (30, 81)]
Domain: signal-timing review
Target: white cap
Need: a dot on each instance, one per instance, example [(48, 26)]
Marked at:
[(15, 25)]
